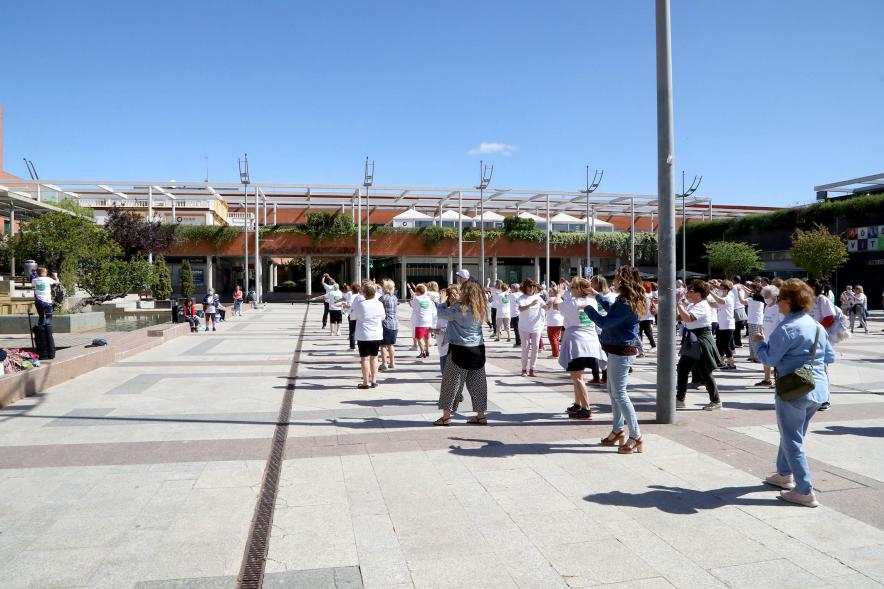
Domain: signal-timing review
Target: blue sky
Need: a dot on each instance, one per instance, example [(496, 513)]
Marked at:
[(771, 97)]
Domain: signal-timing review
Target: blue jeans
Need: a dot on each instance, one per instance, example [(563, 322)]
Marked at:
[(237, 307), (793, 417), (44, 312), (621, 405)]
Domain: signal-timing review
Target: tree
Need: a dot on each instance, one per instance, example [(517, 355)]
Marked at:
[(323, 226), (73, 205), (818, 251), (137, 236), (162, 282), (64, 244), (186, 284), (733, 257)]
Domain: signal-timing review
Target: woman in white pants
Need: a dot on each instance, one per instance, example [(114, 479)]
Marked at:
[(530, 325), (504, 312)]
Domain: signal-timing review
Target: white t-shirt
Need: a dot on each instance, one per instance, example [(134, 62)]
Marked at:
[(496, 294), (726, 313), (554, 317), (737, 292), (337, 300), (43, 288), (822, 309), (772, 318), (755, 312), (369, 315), (573, 313), (703, 315), (514, 303), (505, 310), (531, 320), (434, 295), (424, 311), (348, 299), (648, 316), (328, 293)]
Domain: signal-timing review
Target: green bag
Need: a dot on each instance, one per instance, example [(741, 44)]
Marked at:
[(799, 383)]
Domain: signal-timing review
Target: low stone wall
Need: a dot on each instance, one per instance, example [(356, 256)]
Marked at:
[(73, 362), (73, 323)]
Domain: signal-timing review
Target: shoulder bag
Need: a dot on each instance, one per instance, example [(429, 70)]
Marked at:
[(797, 384)]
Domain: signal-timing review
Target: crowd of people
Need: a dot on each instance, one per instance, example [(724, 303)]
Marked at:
[(789, 328)]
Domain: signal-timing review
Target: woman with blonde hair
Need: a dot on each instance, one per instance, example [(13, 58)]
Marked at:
[(504, 312), (580, 347), (390, 325), (369, 315), (466, 353), (423, 319), (620, 342)]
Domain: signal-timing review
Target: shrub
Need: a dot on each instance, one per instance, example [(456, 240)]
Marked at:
[(322, 226), (733, 257), (162, 281), (217, 235), (818, 251)]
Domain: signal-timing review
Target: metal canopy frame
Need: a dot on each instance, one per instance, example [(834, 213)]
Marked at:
[(853, 185), (427, 199)]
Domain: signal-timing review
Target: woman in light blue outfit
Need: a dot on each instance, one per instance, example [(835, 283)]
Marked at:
[(787, 349)]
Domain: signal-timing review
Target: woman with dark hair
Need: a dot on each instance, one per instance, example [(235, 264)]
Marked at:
[(466, 353), (620, 342), (190, 315), (530, 325), (724, 298), (698, 349), (797, 341)]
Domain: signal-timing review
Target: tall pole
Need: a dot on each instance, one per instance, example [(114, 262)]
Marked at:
[(245, 237), (666, 202), (632, 232), (257, 251), (150, 215), (591, 234), (367, 234), (588, 234), (481, 228), (359, 236), (548, 234), (460, 231), (684, 233)]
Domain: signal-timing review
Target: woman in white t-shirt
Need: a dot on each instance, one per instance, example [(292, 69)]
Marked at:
[(772, 316), (741, 299), (504, 311), (580, 349), (859, 306), (515, 293), (424, 318), (496, 292), (530, 325), (555, 322), (369, 314), (698, 349), (724, 340), (755, 317), (335, 310)]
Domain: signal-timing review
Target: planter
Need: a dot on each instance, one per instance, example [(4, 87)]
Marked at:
[(75, 323)]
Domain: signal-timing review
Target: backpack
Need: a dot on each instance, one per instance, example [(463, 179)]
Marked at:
[(839, 331)]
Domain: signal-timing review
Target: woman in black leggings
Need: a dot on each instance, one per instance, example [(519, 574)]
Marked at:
[(724, 338)]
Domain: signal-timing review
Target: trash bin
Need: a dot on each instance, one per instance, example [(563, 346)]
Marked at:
[(30, 268), (176, 313)]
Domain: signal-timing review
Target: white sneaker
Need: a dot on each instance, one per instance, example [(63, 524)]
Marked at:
[(808, 500), (680, 404), (712, 407), (782, 481)]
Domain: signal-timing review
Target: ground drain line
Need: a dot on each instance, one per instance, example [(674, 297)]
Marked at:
[(251, 575)]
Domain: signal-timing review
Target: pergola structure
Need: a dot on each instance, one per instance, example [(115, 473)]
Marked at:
[(863, 185)]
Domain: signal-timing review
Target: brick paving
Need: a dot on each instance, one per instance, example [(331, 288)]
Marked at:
[(146, 474)]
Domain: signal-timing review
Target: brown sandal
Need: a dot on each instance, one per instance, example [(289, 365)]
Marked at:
[(446, 421), (614, 439), (634, 445), (477, 421)]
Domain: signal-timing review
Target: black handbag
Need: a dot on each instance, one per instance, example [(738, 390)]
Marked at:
[(797, 384), (690, 345)]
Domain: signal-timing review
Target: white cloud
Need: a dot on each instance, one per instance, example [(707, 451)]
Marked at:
[(486, 148)]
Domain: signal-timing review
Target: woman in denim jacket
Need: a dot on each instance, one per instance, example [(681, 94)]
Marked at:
[(787, 349), (620, 340)]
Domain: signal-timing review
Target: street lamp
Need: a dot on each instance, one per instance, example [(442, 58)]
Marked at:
[(244, 179), (367, 181), (684, 228), (485, 173), (590, 231)]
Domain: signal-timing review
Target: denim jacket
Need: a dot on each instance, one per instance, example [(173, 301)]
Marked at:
[(463, 330), (788, 348), (619, 325)]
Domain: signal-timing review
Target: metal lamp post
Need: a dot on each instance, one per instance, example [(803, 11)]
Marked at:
[(367, 181), (684, 228), (485, 173), (590, 217), (244, 178)]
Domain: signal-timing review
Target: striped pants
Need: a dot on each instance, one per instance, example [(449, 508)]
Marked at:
[(453, 380), (753, 345)]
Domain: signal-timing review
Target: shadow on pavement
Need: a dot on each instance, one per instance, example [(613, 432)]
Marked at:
[(845, 430), (681, 501), (498, 449)]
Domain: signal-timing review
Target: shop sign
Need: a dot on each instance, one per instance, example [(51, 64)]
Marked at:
[(865, 239)]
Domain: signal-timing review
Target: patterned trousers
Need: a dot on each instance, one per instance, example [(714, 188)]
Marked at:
[(453, 380), (753, 345)]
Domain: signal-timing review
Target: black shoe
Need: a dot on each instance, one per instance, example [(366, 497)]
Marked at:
[(582, 414), (573, 408), (517, 345), (825, 406)]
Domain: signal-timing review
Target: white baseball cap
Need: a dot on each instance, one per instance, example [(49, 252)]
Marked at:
[(463, 273)]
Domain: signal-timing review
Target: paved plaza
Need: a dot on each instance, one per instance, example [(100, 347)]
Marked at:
[(146, 474)]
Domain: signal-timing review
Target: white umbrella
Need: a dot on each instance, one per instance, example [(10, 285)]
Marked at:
[(412, 215), (489, 217), (452, 216), (527, 215)]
